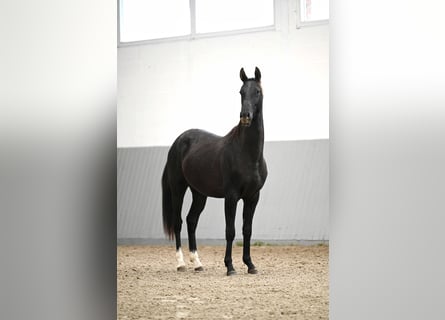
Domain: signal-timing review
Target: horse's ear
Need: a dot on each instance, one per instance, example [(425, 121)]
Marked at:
[(242, 75), (257, 74)]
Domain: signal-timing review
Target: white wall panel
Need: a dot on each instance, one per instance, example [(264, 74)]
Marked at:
[(294, 203)]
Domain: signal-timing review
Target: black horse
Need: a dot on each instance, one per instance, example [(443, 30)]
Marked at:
[(230, 167)]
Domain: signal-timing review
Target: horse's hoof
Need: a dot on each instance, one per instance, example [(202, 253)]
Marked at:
[(181, 268), (199, 269), (231, 273), (252, 271)]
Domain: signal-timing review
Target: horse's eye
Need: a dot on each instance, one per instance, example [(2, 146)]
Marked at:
[(258, 92)]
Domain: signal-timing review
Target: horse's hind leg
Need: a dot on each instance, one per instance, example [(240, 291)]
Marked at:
[(177, 200), (198, 203)]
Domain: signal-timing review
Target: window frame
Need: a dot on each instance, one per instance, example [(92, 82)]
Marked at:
[(193, 34), (301, 23)]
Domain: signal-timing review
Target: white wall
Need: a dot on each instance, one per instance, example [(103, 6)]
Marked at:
[(166, 88)]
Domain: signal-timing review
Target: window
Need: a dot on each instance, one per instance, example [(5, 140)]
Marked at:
[(142, 20), (313, 11), (153, 19), (216, 16)]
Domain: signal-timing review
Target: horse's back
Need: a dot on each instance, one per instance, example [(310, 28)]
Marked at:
[(181, 146), (198, 136)]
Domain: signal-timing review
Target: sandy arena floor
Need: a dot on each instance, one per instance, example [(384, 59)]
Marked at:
[(292, 283)]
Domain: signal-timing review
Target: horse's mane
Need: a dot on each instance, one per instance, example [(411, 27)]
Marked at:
[(234, 131)]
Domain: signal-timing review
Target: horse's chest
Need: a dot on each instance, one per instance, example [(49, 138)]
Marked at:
[(251, 176), (251, 179)]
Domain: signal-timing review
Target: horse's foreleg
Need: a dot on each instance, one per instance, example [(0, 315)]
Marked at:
[(230, 211), (248, 212)]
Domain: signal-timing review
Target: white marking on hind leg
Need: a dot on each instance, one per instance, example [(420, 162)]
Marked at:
[(180, 259), (196, 262)]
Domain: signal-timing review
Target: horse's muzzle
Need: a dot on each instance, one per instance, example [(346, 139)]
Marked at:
[(245, 121)]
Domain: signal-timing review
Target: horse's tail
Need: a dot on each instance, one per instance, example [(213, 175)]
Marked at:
[(167, 209)]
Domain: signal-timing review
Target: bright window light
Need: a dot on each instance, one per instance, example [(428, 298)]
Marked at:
[(228, 15), (153, 19), (141, 20), (314, 10)]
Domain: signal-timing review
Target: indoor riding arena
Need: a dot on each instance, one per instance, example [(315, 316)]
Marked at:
[(208, 77)]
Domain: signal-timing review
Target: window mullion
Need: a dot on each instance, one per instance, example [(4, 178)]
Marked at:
[(192, 18)]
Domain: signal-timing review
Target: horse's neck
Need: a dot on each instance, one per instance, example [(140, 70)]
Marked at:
[(252, 138)]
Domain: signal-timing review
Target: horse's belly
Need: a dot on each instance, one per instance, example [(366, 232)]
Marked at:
[(209, 192), (203, 176), (205, 186)]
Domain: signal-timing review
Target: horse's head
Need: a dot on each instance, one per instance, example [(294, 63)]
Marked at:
[(251, 97)]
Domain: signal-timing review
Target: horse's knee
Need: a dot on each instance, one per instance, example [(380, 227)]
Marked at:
[(247, 231), (230, 234)]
